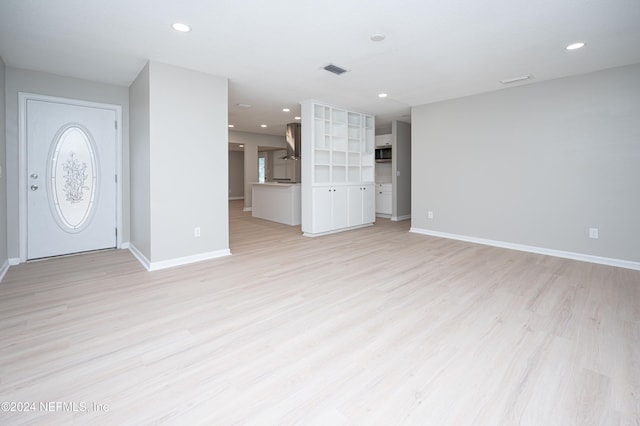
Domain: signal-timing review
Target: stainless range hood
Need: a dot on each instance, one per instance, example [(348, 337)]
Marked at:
[(293, 137)]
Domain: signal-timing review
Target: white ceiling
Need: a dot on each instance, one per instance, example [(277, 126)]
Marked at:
[(273, 52)]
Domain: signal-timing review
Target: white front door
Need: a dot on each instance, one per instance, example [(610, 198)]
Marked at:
[(71, 178)]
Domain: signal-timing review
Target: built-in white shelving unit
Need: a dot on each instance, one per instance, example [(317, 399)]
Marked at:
[(338, 169)]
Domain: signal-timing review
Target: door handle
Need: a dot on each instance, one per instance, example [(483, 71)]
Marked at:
[(34, 187), (34, 176)]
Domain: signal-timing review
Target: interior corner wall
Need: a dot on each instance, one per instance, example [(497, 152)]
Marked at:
[(21, 80), (250, 173), (251, 142), (401, 179), (536, 165), (236, 174), (4, 256), (188, 135), (140, 146)]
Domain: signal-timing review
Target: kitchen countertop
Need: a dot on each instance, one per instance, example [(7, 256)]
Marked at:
[(275, 183)]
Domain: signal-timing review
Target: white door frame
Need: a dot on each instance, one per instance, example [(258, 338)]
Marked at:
[(23, 97)]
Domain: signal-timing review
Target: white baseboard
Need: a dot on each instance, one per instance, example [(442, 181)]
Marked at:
[(236, 198), (383, 215), (246, 209), (141, 257), (164, 264), (4, 269), (124, 245), (14, 261), (399, 218), (531, 249)]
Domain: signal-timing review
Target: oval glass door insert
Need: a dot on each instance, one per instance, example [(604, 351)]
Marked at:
[(73, 177)]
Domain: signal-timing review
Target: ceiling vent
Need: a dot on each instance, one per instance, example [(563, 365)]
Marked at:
[(335, 69)]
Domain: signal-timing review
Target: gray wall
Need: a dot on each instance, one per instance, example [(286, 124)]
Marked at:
[(188, 162), (251, 143), (20, 80), (4, 257), (236, 174), (140, 153), (401, 132), (535, 165)]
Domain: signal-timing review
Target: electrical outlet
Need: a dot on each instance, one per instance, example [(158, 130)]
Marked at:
[(593, 233), (196, 231), (429, 214)]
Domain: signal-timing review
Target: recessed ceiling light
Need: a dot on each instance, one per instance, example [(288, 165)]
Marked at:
[(263, 125), (231, 125), (296, 118), (183, 28), (244, 105), (285, 110), (241, 146), (575, 46), (377, 37), (382, 95)]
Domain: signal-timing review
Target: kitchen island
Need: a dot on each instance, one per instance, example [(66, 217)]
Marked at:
[(278, 202)]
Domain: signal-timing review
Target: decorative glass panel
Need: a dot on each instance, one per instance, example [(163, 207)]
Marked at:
[(73, 177)]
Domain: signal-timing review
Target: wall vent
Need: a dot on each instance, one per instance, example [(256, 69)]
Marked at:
[(335, 69)]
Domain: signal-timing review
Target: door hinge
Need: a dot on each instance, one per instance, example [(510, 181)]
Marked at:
[(115, 123), (116, 178)]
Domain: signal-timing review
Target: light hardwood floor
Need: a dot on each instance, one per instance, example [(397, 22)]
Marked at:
[(373, 326)]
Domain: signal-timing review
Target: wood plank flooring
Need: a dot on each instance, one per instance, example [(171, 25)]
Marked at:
[(373, 326)]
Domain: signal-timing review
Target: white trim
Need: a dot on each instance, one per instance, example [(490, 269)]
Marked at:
[(23, 97), (14, 261), (124, 245), (383, 215), (236, 198), (532, 249), (4, 269), (155, 266), (119, 184), (141, 257), (399, 218), (246, 209)]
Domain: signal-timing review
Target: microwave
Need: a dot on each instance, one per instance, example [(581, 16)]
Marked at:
[(383, 154)]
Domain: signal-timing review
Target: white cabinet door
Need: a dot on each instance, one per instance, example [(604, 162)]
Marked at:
[(330, 208), (384, 140), (379, 201), (339, 206), (384, 203), (383, 198), (355, 205), (322, 210), (368, 204), (361, 205)]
